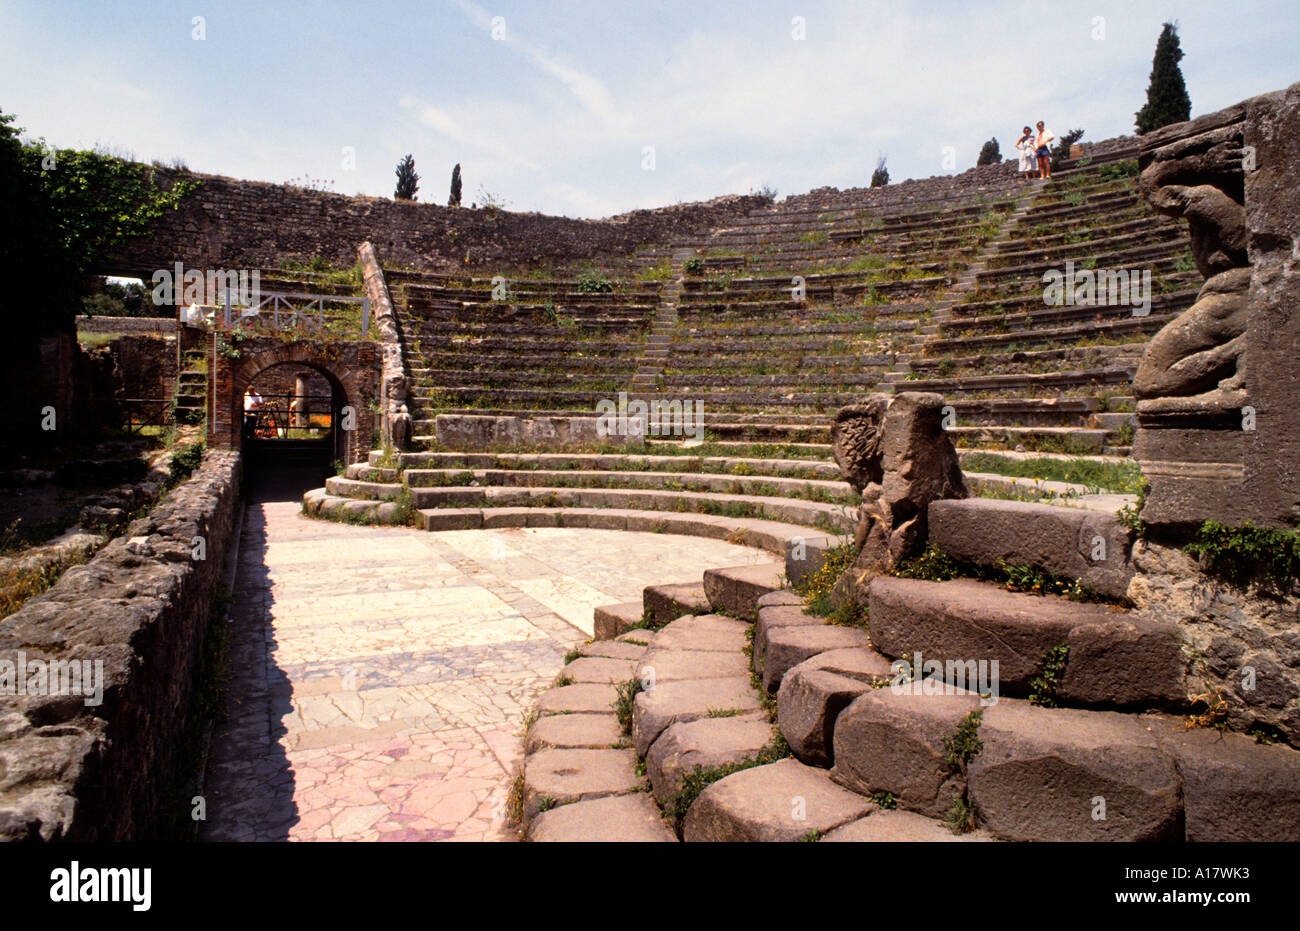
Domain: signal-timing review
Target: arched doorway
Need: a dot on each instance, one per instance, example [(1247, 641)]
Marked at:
[(318, 435), (316, 410), (292, 415)]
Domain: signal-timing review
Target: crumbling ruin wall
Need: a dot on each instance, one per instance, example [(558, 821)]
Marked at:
[(140, 608), (228, 223)]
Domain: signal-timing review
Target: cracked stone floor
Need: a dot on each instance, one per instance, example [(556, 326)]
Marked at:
[(377, 677)]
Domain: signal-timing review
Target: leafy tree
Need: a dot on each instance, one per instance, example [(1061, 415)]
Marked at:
[(1167, 100), (65, 211), (990, 153), (1061, 151), (454, 199), (408, 182), (880, 177)]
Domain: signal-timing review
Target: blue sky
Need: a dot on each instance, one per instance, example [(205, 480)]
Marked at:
[(556, 114)]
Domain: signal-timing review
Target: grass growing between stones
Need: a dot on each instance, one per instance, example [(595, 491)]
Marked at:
[(701, 777), (1042, 688), (959, 748), (624, 703), (964, 744), (818, 587), (1123, 476), (934, 565), (961, 817), (18, 585)]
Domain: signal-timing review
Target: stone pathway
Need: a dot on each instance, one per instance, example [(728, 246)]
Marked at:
[(377, 677)]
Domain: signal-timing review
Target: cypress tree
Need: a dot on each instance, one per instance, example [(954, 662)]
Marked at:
[(990, 154), (408, 182), (454, 199), (1167, 100)]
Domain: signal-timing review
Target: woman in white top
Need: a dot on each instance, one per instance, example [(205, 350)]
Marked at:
[(1042, 141), (1026, 147)]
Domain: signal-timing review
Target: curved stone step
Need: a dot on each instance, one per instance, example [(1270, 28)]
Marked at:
[(892, 740), (608, 621), (1072, 543), (705, 743), (778, 609), (896, 826), (1068, 774), (791, 645), (619, 818), (811, 489), (555, 777), (810, 514), (318, 502), (781, 801), (674, 702), (1114, 658), (666, 603), (736, 590), (813, 694)]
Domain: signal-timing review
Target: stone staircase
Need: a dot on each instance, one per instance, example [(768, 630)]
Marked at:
[(191, 394), (1080, 735), (650, 366)]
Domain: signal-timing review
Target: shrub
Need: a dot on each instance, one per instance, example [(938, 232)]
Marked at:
[(185, 459), (627, 693), (1248, 553), (990, 153), (1061, 151), (964, 744), (880, 177), (594, 283)]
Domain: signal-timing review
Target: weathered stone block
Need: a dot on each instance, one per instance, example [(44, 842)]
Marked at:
[(782, 801), (787, 647), (686, 700), (614, 819), (1073, 543), (813, 694), (891, 741), (706, 742), (1065, 774), (735, 590)]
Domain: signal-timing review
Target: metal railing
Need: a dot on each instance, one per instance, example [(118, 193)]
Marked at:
[(323, 315)]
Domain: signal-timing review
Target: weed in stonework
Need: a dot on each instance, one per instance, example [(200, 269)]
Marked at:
[(1042, 688), (626, 693)]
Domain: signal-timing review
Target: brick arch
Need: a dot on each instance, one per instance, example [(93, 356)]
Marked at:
[(352, 369)]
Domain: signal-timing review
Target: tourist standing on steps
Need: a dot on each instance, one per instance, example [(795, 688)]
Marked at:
[(1041, 142), (1026, 147)]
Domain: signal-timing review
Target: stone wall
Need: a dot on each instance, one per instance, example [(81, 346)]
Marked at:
[(231, 224), (161, 325), (130, 366), (140, 607), (351, 367)]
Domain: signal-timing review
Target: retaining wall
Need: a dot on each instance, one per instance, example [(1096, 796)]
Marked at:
[(140, 607)]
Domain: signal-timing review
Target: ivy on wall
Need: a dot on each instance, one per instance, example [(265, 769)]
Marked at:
[(65, 211)]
